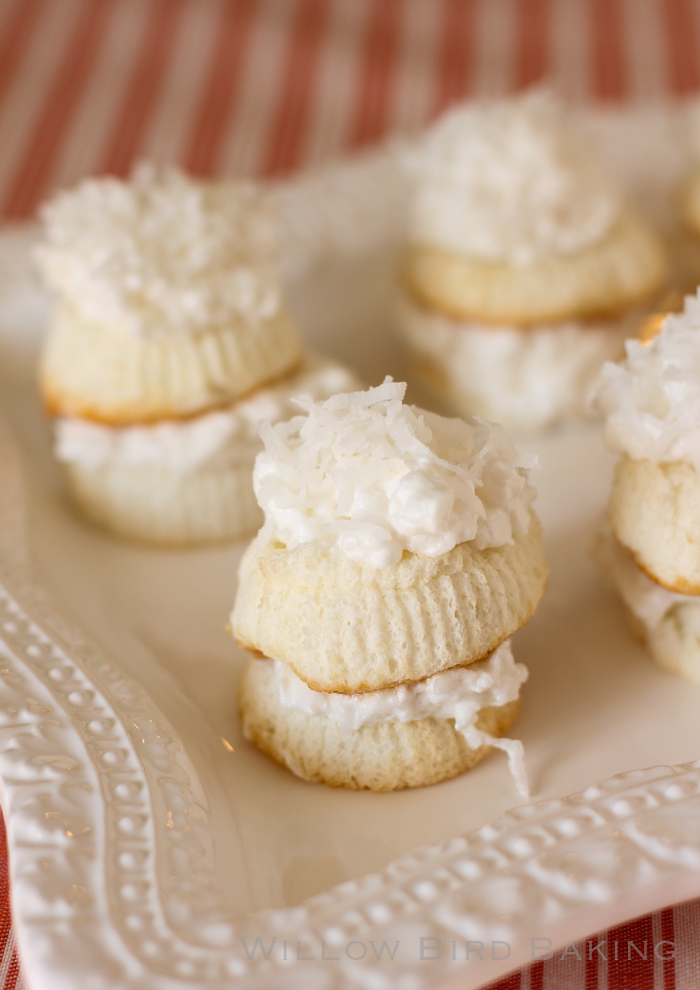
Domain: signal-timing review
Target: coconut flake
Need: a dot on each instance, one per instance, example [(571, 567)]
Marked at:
[(372, 476)]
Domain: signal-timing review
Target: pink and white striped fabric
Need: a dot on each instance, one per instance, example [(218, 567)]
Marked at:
[(263, 87), (656, 952), (266, 87), (10, 973)]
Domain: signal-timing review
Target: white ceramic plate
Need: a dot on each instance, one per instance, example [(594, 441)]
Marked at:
[(151, 846)]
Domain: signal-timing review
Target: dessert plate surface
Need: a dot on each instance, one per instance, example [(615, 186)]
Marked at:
[(152, 847)]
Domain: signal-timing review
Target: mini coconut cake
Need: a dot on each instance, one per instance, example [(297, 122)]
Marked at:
[(652, 553), (524, 270), (167, 302), (168, 323), (399, 554)]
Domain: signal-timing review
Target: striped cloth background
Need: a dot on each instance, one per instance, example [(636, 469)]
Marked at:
[(265, 87)]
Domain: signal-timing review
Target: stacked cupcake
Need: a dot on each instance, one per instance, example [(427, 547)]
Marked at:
[(167, 341), (652, 552), (524, 271), (399, 554)]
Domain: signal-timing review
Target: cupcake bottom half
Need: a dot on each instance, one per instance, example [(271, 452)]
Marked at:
[(668, 623), (379, 756), (157, 505), (524, 379)]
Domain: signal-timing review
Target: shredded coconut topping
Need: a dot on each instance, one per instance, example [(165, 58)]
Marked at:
[(459, 693), (217, 439), (652, 398), (161, 254), (374, 477), (508, 181)]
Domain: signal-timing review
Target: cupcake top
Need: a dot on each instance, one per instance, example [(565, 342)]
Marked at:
[(367, 474), (509, 182), (651, 399), (161, 254)]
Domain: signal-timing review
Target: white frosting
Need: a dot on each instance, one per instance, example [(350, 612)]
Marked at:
[(646, 599), (509, 182), (524, 379), (161, 254), (459, 694), (217, 439), (652, 398), (375, 477)]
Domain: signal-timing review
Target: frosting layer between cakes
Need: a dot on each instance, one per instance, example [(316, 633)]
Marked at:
[(522, 379), (459, 693), (185, 481), (456, 693), (649, 601), (380, 757), (216, 439)]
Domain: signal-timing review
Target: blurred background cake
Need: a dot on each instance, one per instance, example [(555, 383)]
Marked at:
[(168, 341), (651, 553), (524, 269)]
